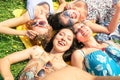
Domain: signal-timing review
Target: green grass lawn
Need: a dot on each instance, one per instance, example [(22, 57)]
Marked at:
[(10, 43)]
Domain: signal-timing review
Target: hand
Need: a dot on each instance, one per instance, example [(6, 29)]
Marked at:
[(118, 6), (61, 1), (68, 6), (31, 34)]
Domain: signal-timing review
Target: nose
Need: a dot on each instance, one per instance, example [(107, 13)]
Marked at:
[(63, 38)]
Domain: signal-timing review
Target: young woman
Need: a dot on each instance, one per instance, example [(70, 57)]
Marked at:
[(41, 63), (103, 12), (100, 59), (37, 11)]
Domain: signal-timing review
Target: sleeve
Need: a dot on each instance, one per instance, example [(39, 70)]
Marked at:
[(32, 3)]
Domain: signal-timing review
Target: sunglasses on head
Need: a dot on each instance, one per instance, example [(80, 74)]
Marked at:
[(70, 21), (39, 23)]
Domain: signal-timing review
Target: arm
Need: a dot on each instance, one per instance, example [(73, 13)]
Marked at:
[(77, 59), (112, 25), (5, 26), (115, 19), (62, 4), (6, 62), (106, 78)]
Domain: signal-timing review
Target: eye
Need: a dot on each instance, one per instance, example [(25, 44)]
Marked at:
[(69, 38), (82, 26), (61, 34), (34, 23), (65, 13)]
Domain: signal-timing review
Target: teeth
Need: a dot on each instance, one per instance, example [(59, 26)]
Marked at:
[(85, 33), (61, 43)]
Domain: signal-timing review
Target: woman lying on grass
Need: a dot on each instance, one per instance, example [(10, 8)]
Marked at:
[(98, 58), (41, 63)]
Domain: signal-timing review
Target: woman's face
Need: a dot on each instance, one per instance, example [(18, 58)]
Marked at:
[(80, 6), (41, 26), (69, 17), (83, 32), (63, 40)]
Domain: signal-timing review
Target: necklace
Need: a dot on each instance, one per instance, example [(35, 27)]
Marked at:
[(103, 49)]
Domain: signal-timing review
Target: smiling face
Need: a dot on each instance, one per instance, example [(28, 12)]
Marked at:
[(63, 40), (69, 17), (82, 31), (79, 6)]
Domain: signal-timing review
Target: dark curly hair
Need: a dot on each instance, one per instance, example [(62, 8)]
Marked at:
[(54, 21)]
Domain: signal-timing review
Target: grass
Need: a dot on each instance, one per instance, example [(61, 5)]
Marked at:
[(10, 43)]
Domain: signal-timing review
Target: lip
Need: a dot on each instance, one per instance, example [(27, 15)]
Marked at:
[(84, 32), (71, 14), (61, 43), (76, 13)]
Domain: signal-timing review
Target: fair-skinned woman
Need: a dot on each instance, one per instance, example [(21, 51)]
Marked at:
[(97, 58), (83, 11), (41, 63), (37, 10)]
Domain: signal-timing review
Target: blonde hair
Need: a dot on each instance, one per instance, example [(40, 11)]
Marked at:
[(84, 7), (41, 39)]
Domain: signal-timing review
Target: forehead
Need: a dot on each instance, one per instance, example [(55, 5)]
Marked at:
[(67, 32), (78, 25)]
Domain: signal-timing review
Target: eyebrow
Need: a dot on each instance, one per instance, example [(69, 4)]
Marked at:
[(66, 34), (69, 36)]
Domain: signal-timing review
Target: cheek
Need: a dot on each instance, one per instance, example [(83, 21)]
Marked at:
[(79, 37), (69, 44)]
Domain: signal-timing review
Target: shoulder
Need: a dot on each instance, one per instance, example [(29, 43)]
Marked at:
[(37, 51), (78, 53)]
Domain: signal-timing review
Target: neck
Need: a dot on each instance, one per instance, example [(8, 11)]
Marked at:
[(55, 53), (91, 43)]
